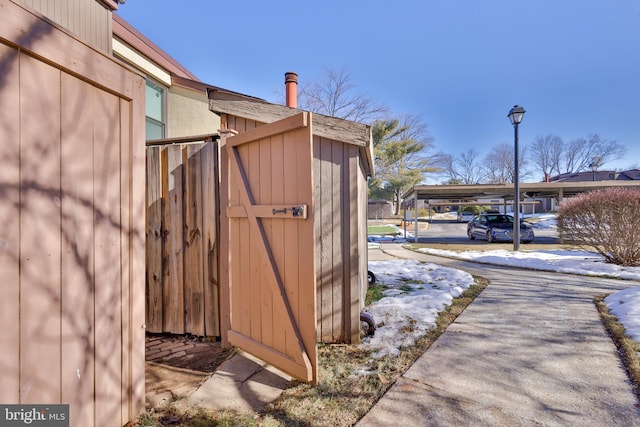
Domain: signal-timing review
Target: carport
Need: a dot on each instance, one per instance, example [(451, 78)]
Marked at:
[(469, 194)]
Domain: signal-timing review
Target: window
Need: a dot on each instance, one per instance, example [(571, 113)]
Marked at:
[(154, 106)]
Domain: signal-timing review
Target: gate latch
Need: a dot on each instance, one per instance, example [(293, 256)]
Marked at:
[(296, 211)]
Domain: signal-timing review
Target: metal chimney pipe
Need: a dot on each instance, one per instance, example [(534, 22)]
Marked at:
[(291, 85)]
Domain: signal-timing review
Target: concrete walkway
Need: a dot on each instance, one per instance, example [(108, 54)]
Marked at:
[(530, 350)]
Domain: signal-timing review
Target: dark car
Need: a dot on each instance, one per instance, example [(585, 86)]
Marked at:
[(497, 227)]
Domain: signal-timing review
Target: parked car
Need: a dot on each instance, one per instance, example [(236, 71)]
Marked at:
[(465, 216), (497, 227)]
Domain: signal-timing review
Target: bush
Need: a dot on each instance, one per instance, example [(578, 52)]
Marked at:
[(606, 220)]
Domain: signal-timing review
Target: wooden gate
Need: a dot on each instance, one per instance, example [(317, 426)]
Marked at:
[(269, 262), (182, 234)]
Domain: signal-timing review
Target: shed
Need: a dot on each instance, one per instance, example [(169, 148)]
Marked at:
[(342, 162)]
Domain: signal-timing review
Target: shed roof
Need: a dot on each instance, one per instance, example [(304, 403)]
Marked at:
[(346, 131)]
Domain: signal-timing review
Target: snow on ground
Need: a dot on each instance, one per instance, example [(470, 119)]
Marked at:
[(418, 291), (561, 261)]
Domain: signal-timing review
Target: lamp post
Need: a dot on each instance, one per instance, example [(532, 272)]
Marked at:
[(515, 116), (595, 162)]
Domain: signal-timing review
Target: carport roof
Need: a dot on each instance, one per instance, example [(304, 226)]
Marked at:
[(534, 190)]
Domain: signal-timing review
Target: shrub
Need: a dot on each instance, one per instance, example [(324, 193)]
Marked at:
[(606, 220)]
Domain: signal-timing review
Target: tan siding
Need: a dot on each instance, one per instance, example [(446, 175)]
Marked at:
[(107, 248), (79, 336), (88, 19), (77, 251), (9, 234), (188, 113), (132, 134), (40, 233)]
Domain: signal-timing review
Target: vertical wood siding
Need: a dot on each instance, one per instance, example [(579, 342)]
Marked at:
[(71, 244), (182, 235), (338, 221), (89, 19)]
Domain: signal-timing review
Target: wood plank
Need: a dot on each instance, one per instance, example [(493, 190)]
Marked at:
[(194, 304), (241, 281), (154, 285), (210, 203), (253, 295), (293, 122), (338, 236), (317, 216), (40, 241), (225, 246), (325, 220), (108, 274), (10, 218), (265, 176), (173, 239), (307, 293), (352, 305), (133, 134), (126, 252), (282, 361), (277, 244), (78, 345), (363, 243), (292, 181)]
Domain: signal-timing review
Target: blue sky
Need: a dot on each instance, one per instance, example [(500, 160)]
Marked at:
[(459, 64)]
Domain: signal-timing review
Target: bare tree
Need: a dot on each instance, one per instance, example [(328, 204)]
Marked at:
[(499, 164), (546, 153), (464, 168), (580, 153), (336, 95)]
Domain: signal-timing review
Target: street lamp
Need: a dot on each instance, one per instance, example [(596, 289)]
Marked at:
[(595, 162), (515, 116)]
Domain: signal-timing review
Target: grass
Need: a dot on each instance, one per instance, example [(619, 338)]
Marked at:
[(382, 230), (350, 382), (627, 348)]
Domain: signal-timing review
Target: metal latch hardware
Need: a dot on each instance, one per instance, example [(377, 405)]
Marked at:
[(295, 211)]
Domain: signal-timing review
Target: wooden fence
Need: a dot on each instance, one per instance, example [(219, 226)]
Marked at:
[(182, 291)]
